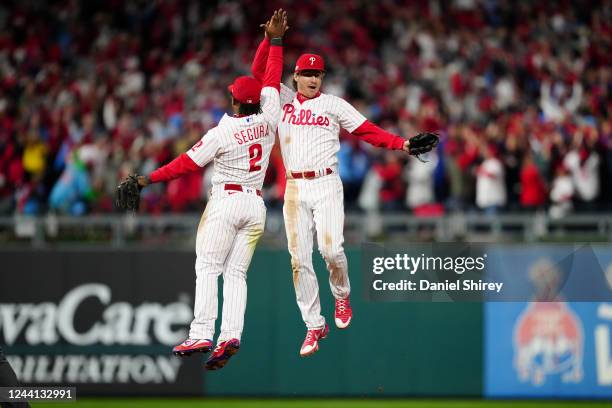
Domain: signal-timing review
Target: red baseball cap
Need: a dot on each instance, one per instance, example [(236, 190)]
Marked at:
[(310, 62), (246, 89)]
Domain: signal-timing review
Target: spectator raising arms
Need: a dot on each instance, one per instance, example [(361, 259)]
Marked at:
[(143, 83)]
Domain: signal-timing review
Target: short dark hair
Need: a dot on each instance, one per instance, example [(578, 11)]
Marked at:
[(247, 109)]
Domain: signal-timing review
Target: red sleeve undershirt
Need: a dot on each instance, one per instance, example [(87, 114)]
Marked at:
[(258, 68), (378, 137), (274, 68), (176, 168)]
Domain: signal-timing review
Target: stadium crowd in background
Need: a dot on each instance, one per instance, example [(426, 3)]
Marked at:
[(519, 92)]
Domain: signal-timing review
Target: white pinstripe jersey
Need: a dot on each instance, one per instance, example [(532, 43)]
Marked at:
[(241, 146), (309, 132)]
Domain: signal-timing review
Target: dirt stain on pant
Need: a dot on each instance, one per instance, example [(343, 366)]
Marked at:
[(291, 203), (253, 239), (327, 242), (336, 275)]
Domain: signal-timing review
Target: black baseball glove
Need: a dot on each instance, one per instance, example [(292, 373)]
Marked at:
[(128, 193), (423, 143)]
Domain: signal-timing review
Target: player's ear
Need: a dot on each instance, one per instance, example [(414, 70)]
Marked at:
[(295, 76)]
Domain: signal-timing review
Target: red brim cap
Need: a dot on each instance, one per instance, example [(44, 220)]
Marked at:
[(310, 62), (246, 89)]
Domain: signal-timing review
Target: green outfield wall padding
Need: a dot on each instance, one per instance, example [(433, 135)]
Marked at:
[(390, 349)]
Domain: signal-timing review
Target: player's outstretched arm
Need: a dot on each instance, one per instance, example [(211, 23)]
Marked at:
[(127, 196), (195, 158), (258, 67), (415, 146), (354, 122), (378, 137), (178, 167), (358, 125), (275, 30)]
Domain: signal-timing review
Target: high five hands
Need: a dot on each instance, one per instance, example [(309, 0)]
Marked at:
[(276, 26)]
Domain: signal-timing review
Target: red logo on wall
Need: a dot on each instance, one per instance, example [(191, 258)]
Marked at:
[(548, 340)]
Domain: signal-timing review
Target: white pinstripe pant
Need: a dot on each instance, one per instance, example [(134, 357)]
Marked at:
[(310, 205), (227, 235)]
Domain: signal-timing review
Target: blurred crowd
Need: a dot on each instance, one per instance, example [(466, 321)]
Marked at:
[(519, 92)]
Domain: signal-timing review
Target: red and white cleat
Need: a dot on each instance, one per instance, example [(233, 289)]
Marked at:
[(311, 342), (191, 346), (222, 354), (343, 314)]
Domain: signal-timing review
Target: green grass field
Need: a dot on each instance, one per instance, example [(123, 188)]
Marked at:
[(321, 403)]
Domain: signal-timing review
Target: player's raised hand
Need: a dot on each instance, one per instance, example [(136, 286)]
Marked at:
[(265, 27), (277, 25)]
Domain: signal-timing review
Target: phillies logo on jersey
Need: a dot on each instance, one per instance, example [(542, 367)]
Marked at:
[(304, 117)]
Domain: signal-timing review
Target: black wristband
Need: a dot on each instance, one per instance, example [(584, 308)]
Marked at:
[(276, 41), (148, 179)]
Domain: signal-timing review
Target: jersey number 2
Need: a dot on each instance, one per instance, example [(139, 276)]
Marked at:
[(255, 152)]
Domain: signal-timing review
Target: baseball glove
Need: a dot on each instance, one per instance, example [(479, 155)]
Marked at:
[(423, 143), (128, 193)]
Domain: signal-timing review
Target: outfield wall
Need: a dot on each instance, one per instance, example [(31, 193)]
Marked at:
[(105, 321)]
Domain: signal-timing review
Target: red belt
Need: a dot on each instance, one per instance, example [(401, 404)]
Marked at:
[(238, 187), (309, 174)]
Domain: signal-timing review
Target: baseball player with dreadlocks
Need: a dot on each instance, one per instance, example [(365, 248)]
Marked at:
[(235, 215), (309, 131)]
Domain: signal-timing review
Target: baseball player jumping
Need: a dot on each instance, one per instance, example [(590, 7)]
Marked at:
[(309, 131), (235, 215)]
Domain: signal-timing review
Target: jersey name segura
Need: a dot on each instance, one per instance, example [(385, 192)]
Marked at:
[(251, 133)]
